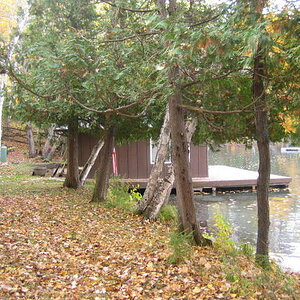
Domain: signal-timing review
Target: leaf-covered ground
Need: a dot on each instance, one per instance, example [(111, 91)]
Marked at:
[(54, 244)]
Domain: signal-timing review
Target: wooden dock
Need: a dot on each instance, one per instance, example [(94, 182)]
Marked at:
[(230, 178), (224, 178)]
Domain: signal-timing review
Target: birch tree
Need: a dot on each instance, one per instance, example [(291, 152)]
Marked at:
[(9, 17)]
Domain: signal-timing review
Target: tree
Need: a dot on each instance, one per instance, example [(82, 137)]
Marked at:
[(9, 21), (102, 176), (71, 79)]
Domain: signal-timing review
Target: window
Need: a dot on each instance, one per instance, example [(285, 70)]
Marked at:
[(154, 149)]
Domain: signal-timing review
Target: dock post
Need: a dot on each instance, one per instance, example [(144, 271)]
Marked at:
[(214, 191)]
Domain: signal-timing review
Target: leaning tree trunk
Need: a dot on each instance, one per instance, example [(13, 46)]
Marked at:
[(91, 161), (157, 169), (165, 183), (102, 174), (262, 133), (72, 177), (53, 149), (46, 148), (180, 159), (30, 138)]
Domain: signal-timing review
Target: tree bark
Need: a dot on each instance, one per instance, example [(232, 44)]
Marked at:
[(53, 148), (91, 161), (32, 152), (164, 183), (72, 177), (22, 23), (157, 169), (180, 160), (263, 143), (46, 148), (102, 174)]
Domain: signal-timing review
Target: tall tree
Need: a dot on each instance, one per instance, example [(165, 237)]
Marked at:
[(9, 41)]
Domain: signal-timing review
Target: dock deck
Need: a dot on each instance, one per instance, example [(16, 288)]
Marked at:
[(224, 177)]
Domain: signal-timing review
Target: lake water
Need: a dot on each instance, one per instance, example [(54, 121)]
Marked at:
[(240, 208)]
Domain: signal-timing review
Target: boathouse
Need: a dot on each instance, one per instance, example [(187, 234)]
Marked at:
[(134, 161)]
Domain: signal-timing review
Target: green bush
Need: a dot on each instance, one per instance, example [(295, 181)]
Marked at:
[(120, 195)]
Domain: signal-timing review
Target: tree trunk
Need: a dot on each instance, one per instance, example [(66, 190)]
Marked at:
[(30, 138), (53, 149), (22, 23), (46, 148), (161, 195), (102, 174), (72, 177), (90, 162), (158, 166), (163, 186), (180, 160), (262, 133), (3, 79), (263, 142)]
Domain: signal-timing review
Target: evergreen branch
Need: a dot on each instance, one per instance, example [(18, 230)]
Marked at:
[(130, 37), (110, 110), (13, 76), (205, 21), (129, 9), (214, 77), (215, 112)]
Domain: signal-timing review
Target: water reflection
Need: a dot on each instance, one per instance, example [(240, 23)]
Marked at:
[(240, 208)]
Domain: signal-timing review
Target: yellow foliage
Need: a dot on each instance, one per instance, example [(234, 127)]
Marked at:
[(8, 16), (276, 49), (289, 123)]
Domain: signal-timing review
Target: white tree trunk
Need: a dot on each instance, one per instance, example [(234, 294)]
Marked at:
[(21, 27), (2, 85), (30, 138), (53, 149), (158, 166), (91, 161), (48, 141), (164, 184)]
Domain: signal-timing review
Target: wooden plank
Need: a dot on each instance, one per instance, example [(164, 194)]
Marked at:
[(194, 161), (132, 160), (122, 159), (203, 161), (142, 159)]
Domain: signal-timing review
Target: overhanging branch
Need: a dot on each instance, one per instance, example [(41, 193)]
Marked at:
[(205, 21), (130, 37), (141, 10), (215, 112)]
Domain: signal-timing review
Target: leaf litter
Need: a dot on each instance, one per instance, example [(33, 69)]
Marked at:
[(55, 244)]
